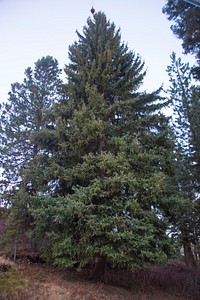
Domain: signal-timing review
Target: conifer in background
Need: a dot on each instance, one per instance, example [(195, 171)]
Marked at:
[(22, 118), (23, 115), (184, 96)]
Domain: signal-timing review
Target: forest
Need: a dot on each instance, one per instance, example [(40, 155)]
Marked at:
[(95, 174)]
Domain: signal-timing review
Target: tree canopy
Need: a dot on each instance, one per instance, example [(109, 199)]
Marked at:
[(187, 18)]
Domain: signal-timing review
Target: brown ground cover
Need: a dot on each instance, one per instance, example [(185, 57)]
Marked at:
[(45, 282)]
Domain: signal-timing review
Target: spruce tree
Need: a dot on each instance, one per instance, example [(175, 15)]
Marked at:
[(185, 103), (111, 172)]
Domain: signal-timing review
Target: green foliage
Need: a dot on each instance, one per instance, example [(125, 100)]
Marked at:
[(185, 103), (18, 221), (22, 118), (23, 115), (109, 176), (186, 17), (99, 57), (183, 95), (194, 115), (92, 161)]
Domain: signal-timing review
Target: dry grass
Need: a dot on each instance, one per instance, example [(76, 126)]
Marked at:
[(43, 281), (12, 282)]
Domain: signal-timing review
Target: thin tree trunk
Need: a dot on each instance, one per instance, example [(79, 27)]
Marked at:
[(197, 251), (189, 256), (15, 245), (101, 145)]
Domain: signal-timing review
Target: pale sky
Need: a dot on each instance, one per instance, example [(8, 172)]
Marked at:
[(31, 29)]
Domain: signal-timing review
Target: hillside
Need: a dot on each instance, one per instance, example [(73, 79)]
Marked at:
[(24, 280)]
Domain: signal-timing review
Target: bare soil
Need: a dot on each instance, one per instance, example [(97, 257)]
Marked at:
[(46, 282)]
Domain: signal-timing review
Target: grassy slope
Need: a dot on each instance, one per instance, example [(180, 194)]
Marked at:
[(24, 280)]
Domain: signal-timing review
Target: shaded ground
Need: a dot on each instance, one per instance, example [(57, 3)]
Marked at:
[(43, 281)]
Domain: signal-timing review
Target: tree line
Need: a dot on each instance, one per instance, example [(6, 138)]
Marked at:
[(93, 167)]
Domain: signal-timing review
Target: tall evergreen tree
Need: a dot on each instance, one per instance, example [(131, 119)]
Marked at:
[(25, 114), (185, 104), (22, 118), (110, 174)]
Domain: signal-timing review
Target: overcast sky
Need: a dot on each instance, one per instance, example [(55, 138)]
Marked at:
[(31, 29)]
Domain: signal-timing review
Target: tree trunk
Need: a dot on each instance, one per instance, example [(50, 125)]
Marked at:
[(101, 145), (99, 272), (100, 264), (197, 251), (189, 256), (15, 250), (16, 243)]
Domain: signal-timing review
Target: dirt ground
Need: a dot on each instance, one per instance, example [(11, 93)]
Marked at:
[(46, 282)]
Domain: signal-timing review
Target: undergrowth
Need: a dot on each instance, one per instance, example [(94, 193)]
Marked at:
[(12, 283)]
